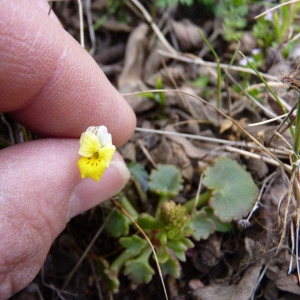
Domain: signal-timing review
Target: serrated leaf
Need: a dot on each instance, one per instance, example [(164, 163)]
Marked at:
[(139, 269), (203, 226), (109, 275), (140, 174), (166, 180), (118, 224), (171, 267), (133, 244), (233, 189)]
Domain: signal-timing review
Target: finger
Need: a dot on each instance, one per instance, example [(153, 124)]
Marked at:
[(41, 189), (49, 82)]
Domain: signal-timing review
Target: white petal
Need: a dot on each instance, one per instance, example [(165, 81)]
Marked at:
[(93, 129), (104, 137)]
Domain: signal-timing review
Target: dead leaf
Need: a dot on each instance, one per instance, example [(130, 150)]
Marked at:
[(130, 79), (134, 57), (243, 290), (190, 150), (187, 34)]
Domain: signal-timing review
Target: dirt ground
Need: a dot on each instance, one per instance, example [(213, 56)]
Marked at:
[(135, 43)]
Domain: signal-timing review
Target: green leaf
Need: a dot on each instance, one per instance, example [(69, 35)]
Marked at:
[(177, 245), (171, 266), (166, 180), (139, 269), (118, 224), (189, 244), (108, 274), (140, 174), (160, 96), (162, 253), (220, 226), (180, 255), (147, 95), (147, 222), (233, 189), (162, 236), (179, 248), (133, 244), (203, 226)]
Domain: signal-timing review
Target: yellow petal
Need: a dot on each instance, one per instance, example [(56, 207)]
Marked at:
[(89, 144), (106, 153), (92, 167)]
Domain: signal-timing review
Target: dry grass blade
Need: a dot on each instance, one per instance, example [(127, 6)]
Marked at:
[(297, 196), (189, 58), (147, 239), (274, 8), (153, 25), (258, 143)]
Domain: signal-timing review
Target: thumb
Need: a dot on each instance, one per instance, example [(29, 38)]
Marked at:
[(41, 189)]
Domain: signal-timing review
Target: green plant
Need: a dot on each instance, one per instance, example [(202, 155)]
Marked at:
[(158, 97), (234, 14), (273, 30), (165, 3), (171, 227)]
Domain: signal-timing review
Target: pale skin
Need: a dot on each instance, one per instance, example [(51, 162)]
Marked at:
[(52, 86)]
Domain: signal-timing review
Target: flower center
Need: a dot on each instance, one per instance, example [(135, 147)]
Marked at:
[(96, 155)]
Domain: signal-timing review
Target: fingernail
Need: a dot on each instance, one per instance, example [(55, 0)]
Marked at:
[(89, 193)]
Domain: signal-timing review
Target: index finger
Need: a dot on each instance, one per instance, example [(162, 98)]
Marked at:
[(49, 82)]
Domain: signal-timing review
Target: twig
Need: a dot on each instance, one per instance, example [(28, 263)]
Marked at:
[(190, 58), (80, 11), (153, 25)]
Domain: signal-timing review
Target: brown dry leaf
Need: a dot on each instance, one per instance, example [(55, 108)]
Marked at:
[(190, 150), (168, 152), (183, 162), (226, 125), (134, 56), (236, 131), (243, 290), (187, 34), (153, 61), (277, 273), (114, 25), (197, 108), (171, 75), (130, 78)]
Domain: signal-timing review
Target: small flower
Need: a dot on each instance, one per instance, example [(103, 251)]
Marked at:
[(97, 150)]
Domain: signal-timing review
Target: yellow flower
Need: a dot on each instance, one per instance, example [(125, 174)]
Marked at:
[(97, 150)]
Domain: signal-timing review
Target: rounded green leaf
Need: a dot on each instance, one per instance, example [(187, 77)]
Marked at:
[(202, 225), (118, 224), (166, 180), (233, 189)]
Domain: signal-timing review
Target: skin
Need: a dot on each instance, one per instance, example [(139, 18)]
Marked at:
[(50, 84)]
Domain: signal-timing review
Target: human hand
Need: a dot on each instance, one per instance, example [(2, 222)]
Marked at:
[(52, 86)]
